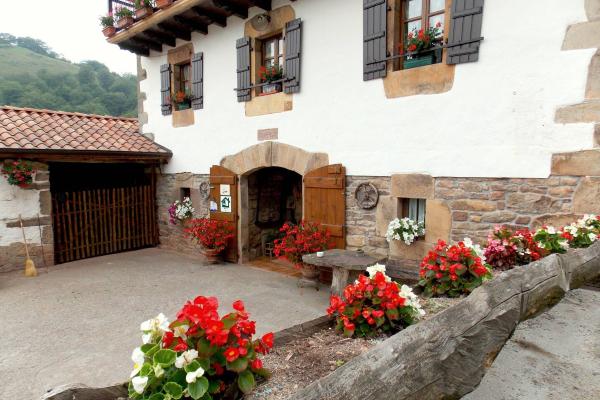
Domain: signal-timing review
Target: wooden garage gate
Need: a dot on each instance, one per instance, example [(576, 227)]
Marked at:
[(90, 222)]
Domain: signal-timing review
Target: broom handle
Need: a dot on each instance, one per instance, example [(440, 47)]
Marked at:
[(24, 238)]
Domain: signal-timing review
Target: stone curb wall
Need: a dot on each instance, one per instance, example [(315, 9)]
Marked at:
[(446, 356)]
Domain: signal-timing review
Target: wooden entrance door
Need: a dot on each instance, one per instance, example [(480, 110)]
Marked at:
[(224, 204), (325, 200)]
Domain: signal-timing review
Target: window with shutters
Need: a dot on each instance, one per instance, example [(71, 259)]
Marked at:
[(272, 64), (418, 17), (182, 86)]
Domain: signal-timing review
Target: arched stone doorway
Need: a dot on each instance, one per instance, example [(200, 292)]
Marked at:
[(264, 161)]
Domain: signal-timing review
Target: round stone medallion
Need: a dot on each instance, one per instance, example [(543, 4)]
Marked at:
[(366, 195)]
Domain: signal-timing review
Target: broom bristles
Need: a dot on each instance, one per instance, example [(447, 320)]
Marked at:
[(30, 268)]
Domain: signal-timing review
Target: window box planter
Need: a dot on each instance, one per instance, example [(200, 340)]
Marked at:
[(109, 31), (182, 106), (124, 22), (421, 60), (144, 12), (271, 88), (163, 3)]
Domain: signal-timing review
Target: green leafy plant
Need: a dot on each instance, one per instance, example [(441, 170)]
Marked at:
[(107, 21), (18, 173), (424, 39), (139, 4), (198, 356), (552, 240), (123, 12)]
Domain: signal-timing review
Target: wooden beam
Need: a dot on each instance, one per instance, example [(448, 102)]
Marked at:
[(264, 4), (181, 33), (178, 7), (161, 36), (233, 8), (152, 45), (192, 24), (211, 16), (140, 51)]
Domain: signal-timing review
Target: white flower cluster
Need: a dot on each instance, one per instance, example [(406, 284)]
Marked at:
[(374, 269), (404, 229), (475, 247), (588, 223), (184, 209)]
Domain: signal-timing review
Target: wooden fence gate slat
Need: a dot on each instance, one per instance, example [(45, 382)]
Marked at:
[(96, 222)]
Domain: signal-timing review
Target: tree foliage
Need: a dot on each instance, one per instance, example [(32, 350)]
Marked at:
[(93, 89)]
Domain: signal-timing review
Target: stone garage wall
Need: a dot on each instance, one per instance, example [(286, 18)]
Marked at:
[(446, 356), (168, 190), (29, 202)]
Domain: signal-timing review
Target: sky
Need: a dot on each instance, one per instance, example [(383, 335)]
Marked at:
[(69, 27)]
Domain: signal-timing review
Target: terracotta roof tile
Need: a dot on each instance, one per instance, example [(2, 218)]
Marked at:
[(26, 128)]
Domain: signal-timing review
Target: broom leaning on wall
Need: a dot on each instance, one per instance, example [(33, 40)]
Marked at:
[(29, 265)]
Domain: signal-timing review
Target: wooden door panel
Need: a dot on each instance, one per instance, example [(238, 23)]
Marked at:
[(325, 200), (222, 176)]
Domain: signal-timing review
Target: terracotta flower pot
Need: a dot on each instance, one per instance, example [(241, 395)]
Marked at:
[(109, 31), (310, 272), (163, 3), (212, 256), (143, 12), (124, 22)]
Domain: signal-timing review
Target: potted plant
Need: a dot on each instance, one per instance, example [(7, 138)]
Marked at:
[(183, 101), (212, 234), (163, 3), (423, 47), (18, 173), (405, 229), (270, 75), (108, 22), (143, 8), (124, 17), (298, 240), (181, 211)]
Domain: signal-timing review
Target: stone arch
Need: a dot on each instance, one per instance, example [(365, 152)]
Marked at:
[(274, 154)]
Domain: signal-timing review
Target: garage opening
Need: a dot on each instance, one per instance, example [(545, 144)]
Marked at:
[(100, 209)]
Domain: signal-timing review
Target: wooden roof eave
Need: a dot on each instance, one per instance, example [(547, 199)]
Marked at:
[(90, 156)]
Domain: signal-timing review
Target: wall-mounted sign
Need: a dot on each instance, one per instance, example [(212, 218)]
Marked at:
[(225, 190), (226, 204), (214, 206), (366, 195)]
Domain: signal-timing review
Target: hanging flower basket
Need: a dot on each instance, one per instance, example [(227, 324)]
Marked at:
[(163, 3), (18, 173)]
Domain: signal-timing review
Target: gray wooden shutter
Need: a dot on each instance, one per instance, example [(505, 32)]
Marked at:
[(243, 69), (198, 81), (465, 31), (165, 89), (293, 50), (374, 39)]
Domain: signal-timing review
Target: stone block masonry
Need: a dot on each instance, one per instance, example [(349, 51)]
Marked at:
[(169, 188), (27, 202)]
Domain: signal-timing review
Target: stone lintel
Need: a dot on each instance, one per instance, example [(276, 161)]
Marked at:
[(412, 186)]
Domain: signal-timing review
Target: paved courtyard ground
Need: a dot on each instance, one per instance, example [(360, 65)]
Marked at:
[(555, 356), (79, 322)]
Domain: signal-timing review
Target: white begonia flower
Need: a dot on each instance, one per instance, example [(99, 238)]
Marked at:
[(180, 331), (139, 384), (374, 269), (146, 338), (412, 300), (592, 236), (551, 230), (186, 358), (138, 357), (564, 244), (192, 376), (159, 324)]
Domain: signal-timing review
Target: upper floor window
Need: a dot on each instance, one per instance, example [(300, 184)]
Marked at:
[(273, 52), (182, 85), (422, 24)]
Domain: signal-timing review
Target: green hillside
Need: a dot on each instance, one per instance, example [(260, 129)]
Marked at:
[(17, 60), (32, 75)]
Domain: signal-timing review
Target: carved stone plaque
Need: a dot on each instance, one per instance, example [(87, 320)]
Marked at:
[(366, 195), (204, 190)]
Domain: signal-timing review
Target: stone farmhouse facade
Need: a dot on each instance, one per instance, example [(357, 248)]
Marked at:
[(499, 128)]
